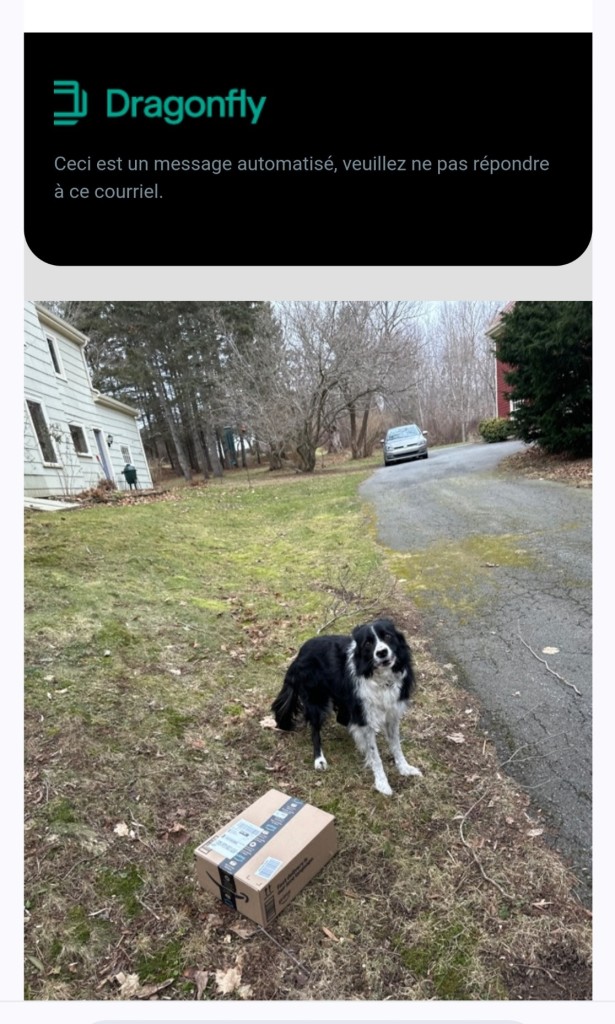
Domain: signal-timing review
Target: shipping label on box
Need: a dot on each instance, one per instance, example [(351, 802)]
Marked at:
[(261, 859)]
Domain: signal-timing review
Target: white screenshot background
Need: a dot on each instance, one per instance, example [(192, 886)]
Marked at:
[(23, 275)]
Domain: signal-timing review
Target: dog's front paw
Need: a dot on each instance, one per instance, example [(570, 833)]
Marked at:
[(320, 763), (408, 769), (383, 787)]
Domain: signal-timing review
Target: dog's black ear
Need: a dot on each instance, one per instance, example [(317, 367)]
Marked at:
[(363, 652), (404, 660), (400, 637), (403, 652)]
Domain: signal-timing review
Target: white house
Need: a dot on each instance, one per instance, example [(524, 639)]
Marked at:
[(73, 435)]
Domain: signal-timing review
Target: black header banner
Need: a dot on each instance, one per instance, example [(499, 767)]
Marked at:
[(308, 149)]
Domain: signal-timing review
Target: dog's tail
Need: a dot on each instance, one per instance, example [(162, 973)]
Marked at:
[(287, 707)]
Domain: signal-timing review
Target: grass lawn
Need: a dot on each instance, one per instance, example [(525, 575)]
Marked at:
[(157, 635)]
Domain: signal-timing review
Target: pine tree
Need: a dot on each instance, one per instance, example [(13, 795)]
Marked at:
[(549, 347), (169, 359)]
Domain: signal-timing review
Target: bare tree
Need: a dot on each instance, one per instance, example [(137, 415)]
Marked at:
[(322, 371), (457, 369), (213, 377), (353, 356)]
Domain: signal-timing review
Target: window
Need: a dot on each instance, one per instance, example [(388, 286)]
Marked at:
[(42, 431), (126, 453), (54, 352), (79, 439)]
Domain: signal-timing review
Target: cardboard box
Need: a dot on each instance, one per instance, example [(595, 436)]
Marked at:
[(260, 860)]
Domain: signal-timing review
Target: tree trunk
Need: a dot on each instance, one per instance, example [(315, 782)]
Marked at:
[(334, 443), (276, 454), (214, 452), (201, 454), (362, 438), (307, 455), (354, 448), (203, 438), (242, 446), (170, 455), (178, 444)]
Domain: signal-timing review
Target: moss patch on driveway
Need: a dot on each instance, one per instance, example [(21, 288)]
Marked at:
[(458, 575)]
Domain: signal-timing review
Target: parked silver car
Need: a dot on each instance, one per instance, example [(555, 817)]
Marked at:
[(407, 442)]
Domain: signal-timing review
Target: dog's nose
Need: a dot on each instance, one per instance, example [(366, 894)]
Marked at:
[(382, 653)]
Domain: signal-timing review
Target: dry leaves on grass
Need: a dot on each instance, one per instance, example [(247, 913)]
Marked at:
[(131, 987), (538, 464), (198, 978), (177, 833), (228, 983), (122, 829), (244, 931)]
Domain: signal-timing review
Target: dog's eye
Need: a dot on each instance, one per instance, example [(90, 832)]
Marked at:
[(387, 636)]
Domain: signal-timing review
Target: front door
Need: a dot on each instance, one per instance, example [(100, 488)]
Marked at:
[(103, 454)]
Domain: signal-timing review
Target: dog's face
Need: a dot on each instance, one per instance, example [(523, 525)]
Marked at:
[(379, 645)]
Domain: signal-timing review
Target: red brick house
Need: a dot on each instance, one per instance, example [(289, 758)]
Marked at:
[(503, 405)]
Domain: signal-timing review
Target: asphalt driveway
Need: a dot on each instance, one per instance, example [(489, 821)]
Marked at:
[(500, 568)]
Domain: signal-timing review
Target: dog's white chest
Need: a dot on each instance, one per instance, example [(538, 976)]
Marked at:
[(380, 698)]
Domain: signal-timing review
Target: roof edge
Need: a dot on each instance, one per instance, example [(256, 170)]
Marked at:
[(49, 319), (114, 403)]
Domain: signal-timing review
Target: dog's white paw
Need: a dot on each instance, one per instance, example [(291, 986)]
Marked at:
[(384, 788), (320, 763), (408, 769)]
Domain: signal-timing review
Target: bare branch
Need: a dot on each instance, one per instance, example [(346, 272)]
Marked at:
[(543, 662), (467, 845)]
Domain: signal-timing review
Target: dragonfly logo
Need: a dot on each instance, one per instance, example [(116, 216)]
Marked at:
[(74, 102)]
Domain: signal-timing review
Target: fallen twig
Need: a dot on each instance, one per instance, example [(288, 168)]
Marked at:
[(538, 967), (543, 662), (344, 611), (149, 909), (360, 896), (347, 598), (514, 754), (284, 950), (487, 877)]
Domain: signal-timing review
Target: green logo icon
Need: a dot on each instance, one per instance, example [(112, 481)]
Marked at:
[(77, 102)]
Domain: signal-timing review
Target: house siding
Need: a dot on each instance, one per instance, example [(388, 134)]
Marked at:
[(504, 404), (70, 399)]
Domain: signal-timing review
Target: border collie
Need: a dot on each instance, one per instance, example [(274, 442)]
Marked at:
[(365, 678)]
